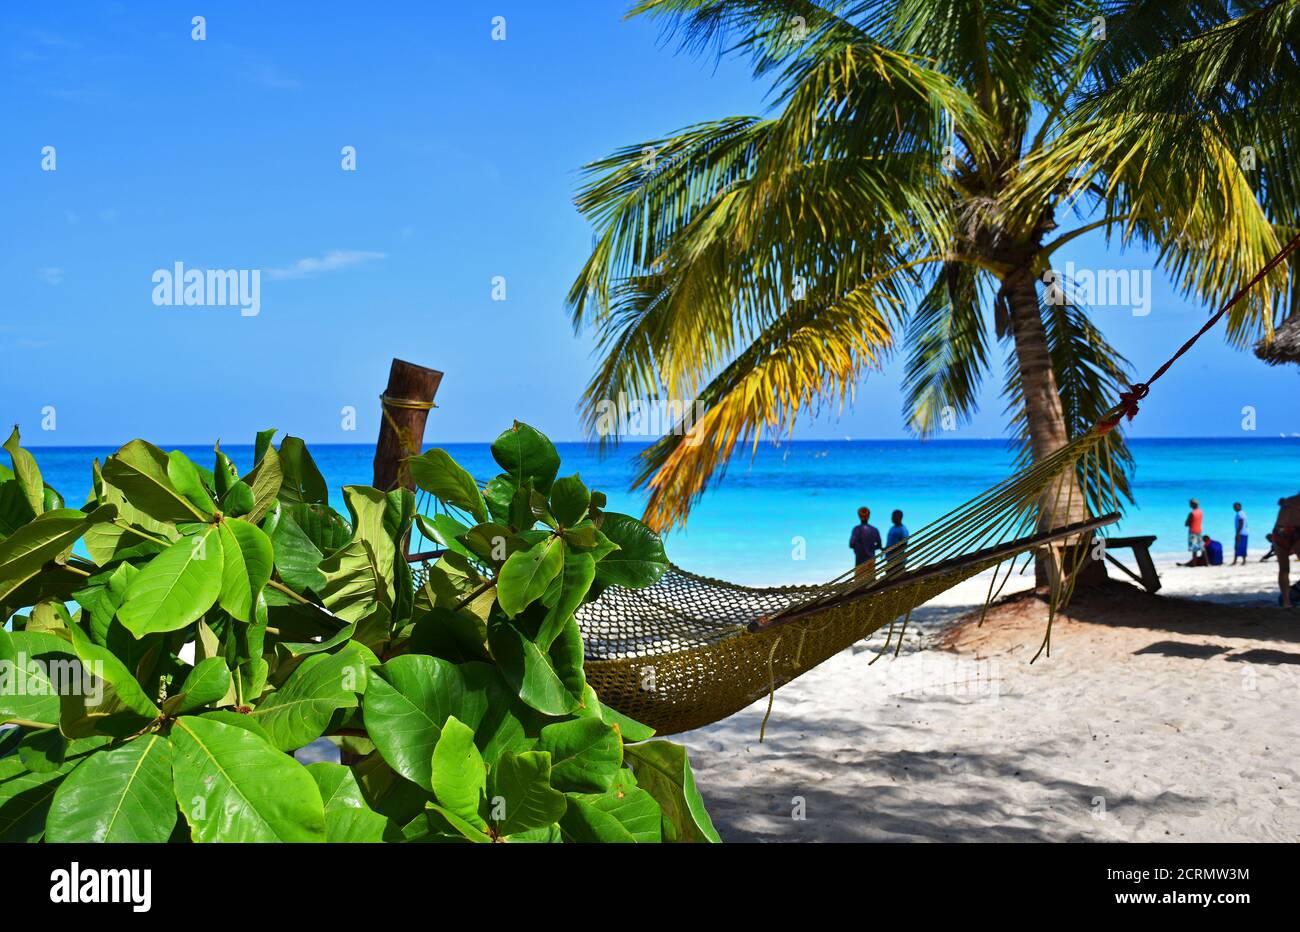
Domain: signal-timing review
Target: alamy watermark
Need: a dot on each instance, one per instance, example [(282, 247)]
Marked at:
[(57, 676), (183, 287), (77, 884), (1129, 288), (931, 674), (649, 417)]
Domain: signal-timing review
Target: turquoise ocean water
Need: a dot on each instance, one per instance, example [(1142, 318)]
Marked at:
[(749, 528)]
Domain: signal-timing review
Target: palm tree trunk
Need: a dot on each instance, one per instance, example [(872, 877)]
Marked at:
[(1062, 503)]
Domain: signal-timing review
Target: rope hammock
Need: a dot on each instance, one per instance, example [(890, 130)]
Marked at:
[(690, 650)]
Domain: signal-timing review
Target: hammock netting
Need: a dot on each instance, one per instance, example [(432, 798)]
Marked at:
[(690, 651)]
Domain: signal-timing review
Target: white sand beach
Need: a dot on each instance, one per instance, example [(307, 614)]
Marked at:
[(1156, 718)]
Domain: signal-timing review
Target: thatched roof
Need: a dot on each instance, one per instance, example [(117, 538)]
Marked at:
[(1285, 345)]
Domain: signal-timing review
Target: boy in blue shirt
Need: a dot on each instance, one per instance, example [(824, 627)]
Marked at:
[(1213, 552), (897, 539)]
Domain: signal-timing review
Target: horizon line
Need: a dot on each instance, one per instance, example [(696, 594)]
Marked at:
[(648, 442)]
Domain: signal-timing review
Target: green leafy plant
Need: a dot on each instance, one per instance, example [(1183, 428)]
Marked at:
[(171, 643)]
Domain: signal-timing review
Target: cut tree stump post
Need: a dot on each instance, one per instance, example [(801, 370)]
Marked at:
[(405, 405)]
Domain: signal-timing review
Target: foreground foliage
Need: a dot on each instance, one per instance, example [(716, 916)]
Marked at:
[(176, 638)]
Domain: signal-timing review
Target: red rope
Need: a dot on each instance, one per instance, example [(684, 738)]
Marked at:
[(1128, 401)]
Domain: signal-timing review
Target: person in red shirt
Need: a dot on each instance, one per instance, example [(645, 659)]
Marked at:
[(1195, 522)]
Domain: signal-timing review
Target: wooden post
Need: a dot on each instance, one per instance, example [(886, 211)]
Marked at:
[(405, 406)]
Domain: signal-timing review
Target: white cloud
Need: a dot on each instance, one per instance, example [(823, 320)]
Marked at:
[(332, 261), (51, 275)]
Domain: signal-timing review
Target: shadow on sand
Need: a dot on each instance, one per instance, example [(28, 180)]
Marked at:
[(896, 796)]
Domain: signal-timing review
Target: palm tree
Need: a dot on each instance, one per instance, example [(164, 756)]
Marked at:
[(922, 163)]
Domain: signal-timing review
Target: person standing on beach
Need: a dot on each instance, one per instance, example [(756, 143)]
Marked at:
[(1239, 534), (896, 542), (864, 542), (1286, 542), (1194, 522)]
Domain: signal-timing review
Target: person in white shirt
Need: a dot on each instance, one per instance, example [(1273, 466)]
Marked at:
[(1239, 534)]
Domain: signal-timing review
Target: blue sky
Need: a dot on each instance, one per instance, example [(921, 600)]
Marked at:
[(225, 153)]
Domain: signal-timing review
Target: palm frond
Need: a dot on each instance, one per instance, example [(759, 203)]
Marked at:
[(813, 355), (1179, 188), (947, 352)]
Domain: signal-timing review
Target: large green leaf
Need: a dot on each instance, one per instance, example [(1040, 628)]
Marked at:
[(445, 825), (297, 558), (375, 523), (444, 529), (586, 754), (624, 813), (185, 477), (663, 771), (26, 551), (15, 511), (132, 534), (323, 526), (457, 772), (498, 494), (299, 711), (570, 588), (303, 482), (353, 582), (119, 794), (407, 702), (348, 817), (265, 481), (122, 691), (566, 659), (207, 683), (233, 786), (629, 728), (224, 474), (437, 473), (527, 573), (176, 587), (525, 453), (409, 698), (26, 473), (520, 795), (247, 559), (569, 500), (639, 560), (528, 670), (101, 599), (139, 469)]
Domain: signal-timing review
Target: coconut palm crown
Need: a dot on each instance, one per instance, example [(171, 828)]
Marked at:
[(922, 163)]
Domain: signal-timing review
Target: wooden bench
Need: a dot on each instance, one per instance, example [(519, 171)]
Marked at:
[(1149, 579)]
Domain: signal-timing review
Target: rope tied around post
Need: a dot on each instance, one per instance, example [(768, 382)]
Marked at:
[(410, 446)]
